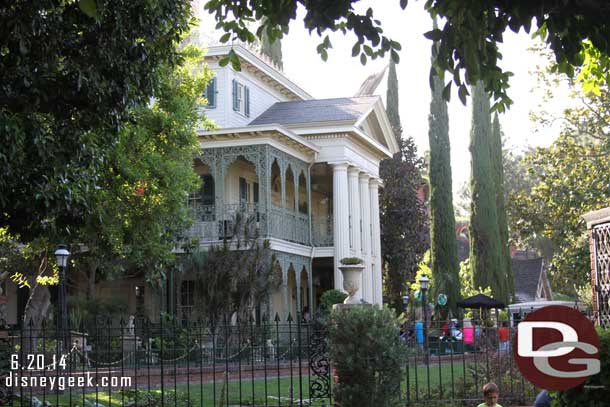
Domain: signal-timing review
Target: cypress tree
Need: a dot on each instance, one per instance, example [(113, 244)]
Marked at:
[(485, 250), (402, 215), (443, 243), (392, 100), (498, 175), (272, 49)]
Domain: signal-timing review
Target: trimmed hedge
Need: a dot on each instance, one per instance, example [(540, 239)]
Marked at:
[(366, 352)]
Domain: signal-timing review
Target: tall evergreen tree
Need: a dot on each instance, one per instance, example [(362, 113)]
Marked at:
[(273, 49), (443, 243), (392, 100), (485, 250), (402, 214), (498, 176)]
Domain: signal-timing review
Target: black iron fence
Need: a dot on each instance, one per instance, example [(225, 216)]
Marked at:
[(137, 363), (265, 363), (448, 362)]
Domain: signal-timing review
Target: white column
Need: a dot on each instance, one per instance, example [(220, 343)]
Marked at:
[(354, 210), (365, 210), (376, 241), (340, 219)]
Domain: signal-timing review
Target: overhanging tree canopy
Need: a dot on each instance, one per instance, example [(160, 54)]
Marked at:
[(69, 79), (468, 42)]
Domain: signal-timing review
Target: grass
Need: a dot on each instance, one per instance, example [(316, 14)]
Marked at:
[(206, 395), (437, 379), (433, 382)]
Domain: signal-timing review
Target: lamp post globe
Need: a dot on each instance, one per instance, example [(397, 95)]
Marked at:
[(61, 256), (405, 302), (423, 282)]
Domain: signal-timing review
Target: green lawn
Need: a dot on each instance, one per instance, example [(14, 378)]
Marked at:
[(205, 395), (435, 381)]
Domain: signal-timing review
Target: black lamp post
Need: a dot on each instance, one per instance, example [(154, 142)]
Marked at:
[(423, 284), (61, 256), (405, 302)]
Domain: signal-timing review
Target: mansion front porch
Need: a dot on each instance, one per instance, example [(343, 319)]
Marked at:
[(307, 209)]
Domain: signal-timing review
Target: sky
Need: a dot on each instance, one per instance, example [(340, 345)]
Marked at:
[(341, 75)]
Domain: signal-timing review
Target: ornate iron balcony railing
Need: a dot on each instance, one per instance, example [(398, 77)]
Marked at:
[(211, 224), (322, 228)]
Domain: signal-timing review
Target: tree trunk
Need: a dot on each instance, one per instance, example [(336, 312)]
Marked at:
[(37, 310), (91, 274)]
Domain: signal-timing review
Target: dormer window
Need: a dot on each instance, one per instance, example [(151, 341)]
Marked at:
[(210, 94), (241, 98)]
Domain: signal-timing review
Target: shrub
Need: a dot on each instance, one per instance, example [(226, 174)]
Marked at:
[(349, 261), (366, 351), (330, 298), (594, 392)]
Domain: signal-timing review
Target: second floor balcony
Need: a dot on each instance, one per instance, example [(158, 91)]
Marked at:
[(281, 196), (212, 223)]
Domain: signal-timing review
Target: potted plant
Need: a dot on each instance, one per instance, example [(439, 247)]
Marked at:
[(351, 268)]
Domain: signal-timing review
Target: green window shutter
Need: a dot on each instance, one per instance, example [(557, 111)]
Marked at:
[(235, 96), (211, 93), (247, 101)]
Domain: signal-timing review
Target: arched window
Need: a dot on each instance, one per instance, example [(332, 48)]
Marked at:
[(303, 199), (290, 192), (276, 184)]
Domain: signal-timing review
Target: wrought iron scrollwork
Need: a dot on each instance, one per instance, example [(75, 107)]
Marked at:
[(319, 362), (601, 237), (6, 392)]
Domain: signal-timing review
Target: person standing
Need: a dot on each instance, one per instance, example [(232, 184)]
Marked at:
[(543, 399), (419, 334), (491, 394)]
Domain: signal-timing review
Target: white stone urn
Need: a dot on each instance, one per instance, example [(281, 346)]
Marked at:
[(352, 277)]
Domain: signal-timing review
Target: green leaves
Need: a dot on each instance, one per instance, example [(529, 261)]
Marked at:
[(569, 178), (57, 126), (447, 92), (225, 37), (467, 42), (365, 340), (463, 93), (434, 35), (89, 7)]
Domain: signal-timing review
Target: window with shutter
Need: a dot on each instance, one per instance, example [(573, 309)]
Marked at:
[(235, 96), (247, 101), (210, 94), (241, 98)]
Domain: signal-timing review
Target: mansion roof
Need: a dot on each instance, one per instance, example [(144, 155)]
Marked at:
[(527, 274), (317, 111)]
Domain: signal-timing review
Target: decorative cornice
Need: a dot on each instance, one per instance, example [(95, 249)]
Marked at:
[(353, 172), (596, 217), (259, 64), (276, 129), (375, 183), (364, 177)]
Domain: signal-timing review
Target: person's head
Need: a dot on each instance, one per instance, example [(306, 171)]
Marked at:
[(491, 393)]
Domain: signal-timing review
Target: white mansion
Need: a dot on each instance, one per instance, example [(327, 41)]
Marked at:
[(307, 169)]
